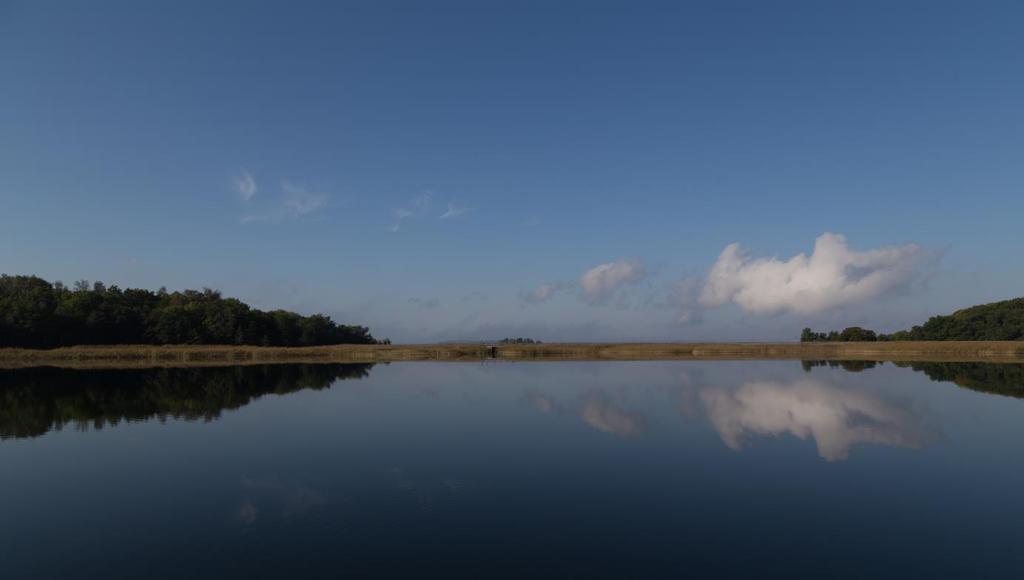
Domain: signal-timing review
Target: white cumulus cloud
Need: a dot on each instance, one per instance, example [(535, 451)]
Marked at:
[(833, 275), (599, 283)]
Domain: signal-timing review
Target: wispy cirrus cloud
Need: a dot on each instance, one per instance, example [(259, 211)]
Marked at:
[(425, 303), (296, 201), (299, 201), (416, 207), (245, 185), (454, 211)]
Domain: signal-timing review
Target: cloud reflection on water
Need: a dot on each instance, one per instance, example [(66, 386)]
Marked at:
[(604, 415), (597, 410), (836, 418), (286, 499)]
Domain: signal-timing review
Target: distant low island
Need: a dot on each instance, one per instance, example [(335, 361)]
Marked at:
[(995, 321), (35, 313)]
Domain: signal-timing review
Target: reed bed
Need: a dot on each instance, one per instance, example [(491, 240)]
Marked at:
[(139, 356)]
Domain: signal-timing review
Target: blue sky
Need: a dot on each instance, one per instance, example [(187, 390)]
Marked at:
[(555, 138)]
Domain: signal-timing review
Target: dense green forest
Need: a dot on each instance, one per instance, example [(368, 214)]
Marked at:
[(37, 314), (850, 334), (996, 321)]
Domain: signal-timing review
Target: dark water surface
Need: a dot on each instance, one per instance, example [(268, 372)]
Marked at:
[(771, 469)]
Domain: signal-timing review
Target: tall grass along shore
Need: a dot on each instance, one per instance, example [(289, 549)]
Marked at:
[(135, 356)]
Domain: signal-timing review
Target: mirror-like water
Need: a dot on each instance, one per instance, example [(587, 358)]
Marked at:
[(551, 469)]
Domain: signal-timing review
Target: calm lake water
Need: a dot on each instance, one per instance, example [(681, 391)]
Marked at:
[(518, 470)]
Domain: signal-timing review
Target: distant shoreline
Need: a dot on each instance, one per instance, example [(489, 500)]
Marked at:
[(140, 356)]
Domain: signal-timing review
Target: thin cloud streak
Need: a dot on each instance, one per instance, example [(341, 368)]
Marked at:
[(416, 207), (245, 185), (296, 202), (454, 211), (425, 303), (299, 201)]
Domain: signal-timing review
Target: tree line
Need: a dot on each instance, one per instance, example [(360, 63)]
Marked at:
[(996, 321), (35, 313), (850, 334)]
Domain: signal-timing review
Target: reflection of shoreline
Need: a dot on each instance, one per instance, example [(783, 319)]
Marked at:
[(853, 366), (836, 419), (998, 379), (1005, 379), (37, 400)]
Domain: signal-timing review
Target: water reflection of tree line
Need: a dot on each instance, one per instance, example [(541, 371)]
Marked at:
[(997, 378), (853, 366), (1000, 379), (36, 400)]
